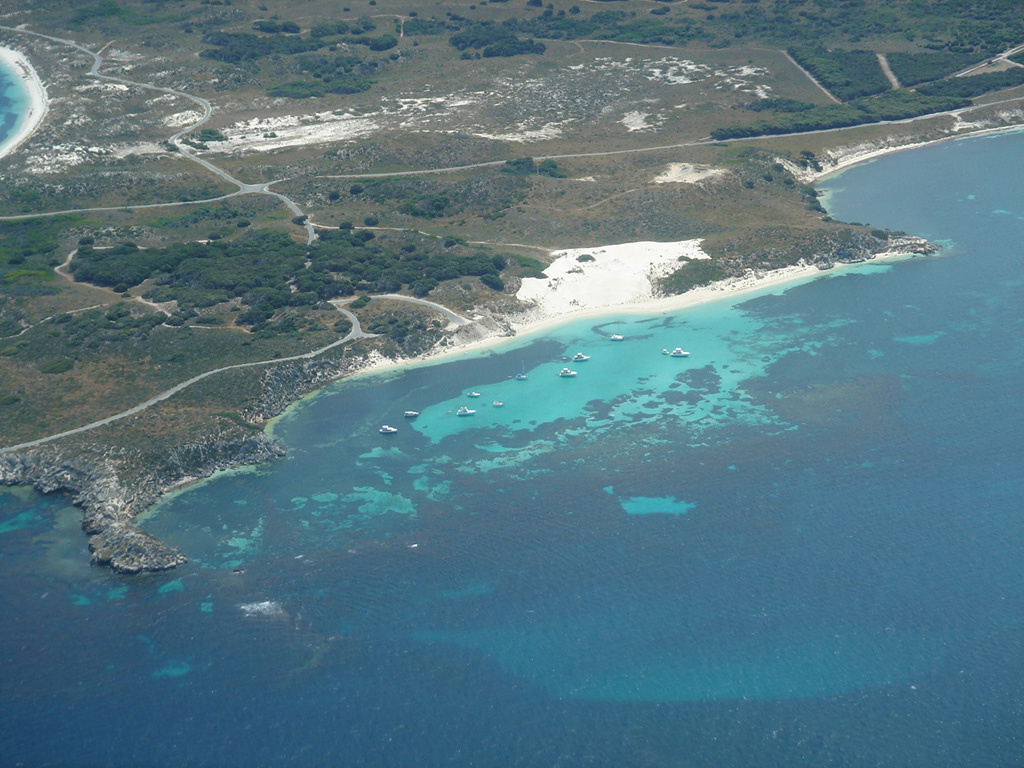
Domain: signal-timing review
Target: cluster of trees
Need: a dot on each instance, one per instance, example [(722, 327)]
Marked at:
[(321, 29), (513, 46), (847, 74), (693, 273), (267, 271), (253, 267), (426, 206), (274, 27), (111, 326), (892, 105), (364, 267), (620, 26), (526, 166), (219, 213), (494, 40), (35, 239), (332, 74), (339, 74), (915, 68), (975, 85), (236, 47), (900, 105), (431, 197), (109, 8), (418, 26)]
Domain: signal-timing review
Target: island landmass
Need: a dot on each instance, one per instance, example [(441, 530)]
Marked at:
[(245, 202)]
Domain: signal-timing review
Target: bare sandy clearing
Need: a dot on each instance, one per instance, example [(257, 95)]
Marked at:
[(687, 173), (607, 276), (181, 119)]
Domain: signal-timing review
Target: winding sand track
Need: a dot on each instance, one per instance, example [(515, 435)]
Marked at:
[(354, 335), (454, 320)]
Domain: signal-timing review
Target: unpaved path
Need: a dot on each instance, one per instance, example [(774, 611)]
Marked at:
[(184, 149), (887, 71), (355, 334)]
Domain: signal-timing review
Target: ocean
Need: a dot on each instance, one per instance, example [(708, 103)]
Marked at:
[(798, 546), (14, 102)]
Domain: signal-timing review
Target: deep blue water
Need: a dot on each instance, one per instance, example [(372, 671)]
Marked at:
[(799, 546), (13, 103)]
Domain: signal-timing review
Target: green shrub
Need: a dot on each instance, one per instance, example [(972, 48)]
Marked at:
[(493, 282), (56, 365)]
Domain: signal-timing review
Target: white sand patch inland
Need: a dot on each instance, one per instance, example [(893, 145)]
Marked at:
[(687, 173), (144, 148), (636, 121), (262, 134), (266, 134), (57, 159), (181, 119), (104, 87), (607, 276), (38, 100), (675, 71), (523, 135)]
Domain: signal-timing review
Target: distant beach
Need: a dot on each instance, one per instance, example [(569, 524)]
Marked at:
[(18, 64)]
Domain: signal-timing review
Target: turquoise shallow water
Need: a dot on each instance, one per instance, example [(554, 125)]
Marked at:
[(798, 546), (14, 103)]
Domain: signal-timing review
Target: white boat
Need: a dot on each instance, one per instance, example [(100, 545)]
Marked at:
[(498, 403), (616, 337), (386, 430), (464, 411), (579, 357), (521, 377), (411, 414), (678, 352), (566, 373), (473, 394)]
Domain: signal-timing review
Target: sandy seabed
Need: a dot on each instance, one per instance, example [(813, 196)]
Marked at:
[(38, 101)]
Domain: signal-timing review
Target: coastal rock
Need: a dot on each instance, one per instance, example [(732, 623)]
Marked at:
[(915, 246), (126, 549), (111, 503)]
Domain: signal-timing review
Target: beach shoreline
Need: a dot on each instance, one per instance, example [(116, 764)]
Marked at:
[(528, 325), (869, 151), (18, 63)]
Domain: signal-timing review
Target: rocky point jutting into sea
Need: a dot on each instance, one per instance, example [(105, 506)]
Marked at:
[(110, 503)]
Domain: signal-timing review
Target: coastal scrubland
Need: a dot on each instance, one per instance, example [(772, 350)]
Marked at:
[(243, 168)]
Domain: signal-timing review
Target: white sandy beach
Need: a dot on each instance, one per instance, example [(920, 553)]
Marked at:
[(604, 276), (622, 279), (618, 281), (38, 101)]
